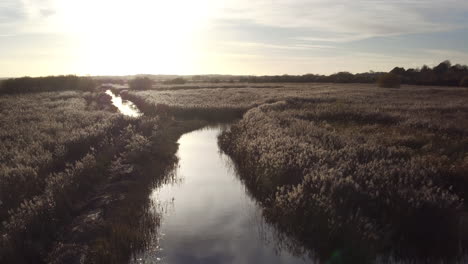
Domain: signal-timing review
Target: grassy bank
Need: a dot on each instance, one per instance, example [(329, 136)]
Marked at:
[(126, 225), (50, 153), (184, 111), (43, 132), (75, 177), (360, 173), (217, 103)]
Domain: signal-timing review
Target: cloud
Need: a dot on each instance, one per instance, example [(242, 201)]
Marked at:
[(435, 56), (28, 16), (259, 45), (248, 36), (47, 12), (11, 11), (322, 20), (343, 20), (38, 8)]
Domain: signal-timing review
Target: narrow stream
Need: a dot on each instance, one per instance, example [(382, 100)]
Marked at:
[(125, 107), (207, 215)]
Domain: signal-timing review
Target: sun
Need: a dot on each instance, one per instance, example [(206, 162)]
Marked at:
[(139, 36)]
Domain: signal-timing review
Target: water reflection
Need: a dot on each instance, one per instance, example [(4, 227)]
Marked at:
[(207, 217), (125, 107)]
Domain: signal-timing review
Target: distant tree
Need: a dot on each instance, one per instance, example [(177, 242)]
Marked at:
[(425, 68), (140, 83), (443, 67), (389, 80), (458, 68), (176, 81), (342, 77), (398, 71), (444, 74)]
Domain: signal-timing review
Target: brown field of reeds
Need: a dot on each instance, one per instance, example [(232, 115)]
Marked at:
[(75, 177), (385, 168), (364, 170)]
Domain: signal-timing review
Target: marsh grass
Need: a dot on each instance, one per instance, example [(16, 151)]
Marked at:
[(130, 224), (334, 163), (54, 153), (42, 133), (385, 169), (76, 176), (216, 103), (186, 112)]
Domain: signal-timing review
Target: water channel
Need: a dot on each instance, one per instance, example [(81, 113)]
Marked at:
[(207, 215), (125, 107)]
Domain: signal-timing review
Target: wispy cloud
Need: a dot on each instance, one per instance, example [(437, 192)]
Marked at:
[(342, 20), (271, 36), (278, 46), (10, 11), (436, 56), (27, 16)]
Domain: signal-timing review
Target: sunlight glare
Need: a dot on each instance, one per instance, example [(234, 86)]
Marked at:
[(129, 37)]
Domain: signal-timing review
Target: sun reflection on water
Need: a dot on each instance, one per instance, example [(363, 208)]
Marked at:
[(125, 107)]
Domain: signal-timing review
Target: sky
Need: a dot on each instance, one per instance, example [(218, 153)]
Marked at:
[(255, 37)]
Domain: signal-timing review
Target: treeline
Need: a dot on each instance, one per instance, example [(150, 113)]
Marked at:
[(444, 74), (110, 80), (340, 77), (46, 84)]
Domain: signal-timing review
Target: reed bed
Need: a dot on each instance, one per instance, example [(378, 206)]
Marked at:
[(42, 132), (217, 103), (75, 177), (381, 171)]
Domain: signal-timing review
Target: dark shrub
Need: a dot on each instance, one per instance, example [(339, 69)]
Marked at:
[(47, 84), (176, 81), (464, 82), (140, 83), (389, 80)]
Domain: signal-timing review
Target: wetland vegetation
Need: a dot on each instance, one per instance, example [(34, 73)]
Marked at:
[(233, 132), (343, 173), (76, 176), (384, 169)]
